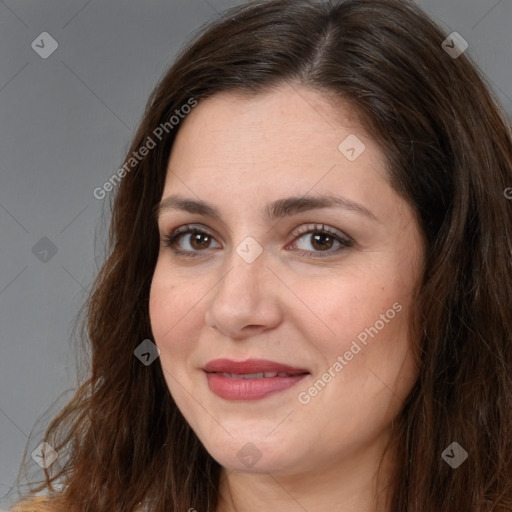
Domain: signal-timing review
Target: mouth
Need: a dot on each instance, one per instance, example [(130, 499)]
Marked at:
[(252, 379)]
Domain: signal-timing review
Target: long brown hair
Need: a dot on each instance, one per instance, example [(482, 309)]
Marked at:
[(122, 441)]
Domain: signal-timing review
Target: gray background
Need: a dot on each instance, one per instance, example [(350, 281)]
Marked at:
[(66, 123)]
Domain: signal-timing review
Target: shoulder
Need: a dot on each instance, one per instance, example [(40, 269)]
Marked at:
[(42, 501)]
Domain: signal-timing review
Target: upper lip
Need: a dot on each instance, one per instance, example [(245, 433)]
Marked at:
[(250, 366)]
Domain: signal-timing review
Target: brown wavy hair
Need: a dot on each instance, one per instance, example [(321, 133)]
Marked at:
[(123, 442)]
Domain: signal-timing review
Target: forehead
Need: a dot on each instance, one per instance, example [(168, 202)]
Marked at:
[(298, 108), (284, 142), (288, 126)]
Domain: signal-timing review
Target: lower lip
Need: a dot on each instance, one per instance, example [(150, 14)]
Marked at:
[(249, 389)]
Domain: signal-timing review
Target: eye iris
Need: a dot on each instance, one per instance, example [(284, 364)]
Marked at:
[(195, 238), (321, 239)]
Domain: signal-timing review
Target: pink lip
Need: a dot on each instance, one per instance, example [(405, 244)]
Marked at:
[(250, 389)]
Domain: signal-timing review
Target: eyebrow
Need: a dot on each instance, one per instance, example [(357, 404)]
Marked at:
[(273, 211)]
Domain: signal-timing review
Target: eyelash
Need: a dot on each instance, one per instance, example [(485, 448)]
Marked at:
[(345, 243)]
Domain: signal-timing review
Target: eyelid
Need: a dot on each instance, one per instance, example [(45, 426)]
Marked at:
[(313, 227)]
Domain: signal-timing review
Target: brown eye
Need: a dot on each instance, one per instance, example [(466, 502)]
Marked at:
[(199, 241), (321, 239), (188, 241)]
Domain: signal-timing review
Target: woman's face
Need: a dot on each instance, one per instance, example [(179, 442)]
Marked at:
[(271, 275)]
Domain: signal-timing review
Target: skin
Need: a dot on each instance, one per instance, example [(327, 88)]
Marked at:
[(293, 307)]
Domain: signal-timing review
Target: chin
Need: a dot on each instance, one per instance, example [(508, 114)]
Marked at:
[(252, 457)]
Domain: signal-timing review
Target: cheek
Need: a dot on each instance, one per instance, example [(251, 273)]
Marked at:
[(175, 311), (345, 306), (362, 318), (165, 309), (160, 304)]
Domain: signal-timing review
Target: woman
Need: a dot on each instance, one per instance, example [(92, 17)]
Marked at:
[(306, 304)]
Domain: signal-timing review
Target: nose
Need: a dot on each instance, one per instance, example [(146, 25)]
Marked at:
[(245, 301)]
